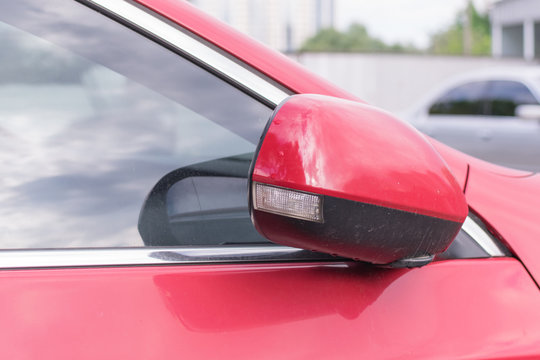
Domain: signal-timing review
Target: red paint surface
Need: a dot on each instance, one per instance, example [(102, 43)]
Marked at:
[(455, 160), (356, 152), (269, 62), (511, 208), (507, 200), (466, 309), (455, 309)]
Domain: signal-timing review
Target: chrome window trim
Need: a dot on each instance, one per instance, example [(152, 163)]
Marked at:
[(210, 57), (61, 258), (482, 238)]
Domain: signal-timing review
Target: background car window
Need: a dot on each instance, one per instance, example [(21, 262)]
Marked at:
[(492, 98), (467, 99), (98, 124), (505, 96)]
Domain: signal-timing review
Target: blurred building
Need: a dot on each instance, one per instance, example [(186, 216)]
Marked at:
[(515, 27), (282, 24)]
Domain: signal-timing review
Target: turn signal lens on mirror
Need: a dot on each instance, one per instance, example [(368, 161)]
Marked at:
[(291, 203)]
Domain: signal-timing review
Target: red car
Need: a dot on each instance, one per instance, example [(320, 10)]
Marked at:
[(149, 156)]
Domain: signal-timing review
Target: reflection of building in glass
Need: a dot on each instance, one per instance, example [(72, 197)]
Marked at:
[(516, 28), (281, 24)]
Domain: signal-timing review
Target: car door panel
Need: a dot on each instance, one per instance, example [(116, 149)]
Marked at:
[(290, 310), (507, 141)]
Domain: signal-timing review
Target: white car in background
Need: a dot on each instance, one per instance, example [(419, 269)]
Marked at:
[(492, 114)]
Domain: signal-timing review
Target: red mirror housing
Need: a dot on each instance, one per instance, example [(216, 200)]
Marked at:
[(345, 178)]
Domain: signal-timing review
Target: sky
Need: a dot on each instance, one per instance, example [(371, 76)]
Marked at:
[(405, 21)]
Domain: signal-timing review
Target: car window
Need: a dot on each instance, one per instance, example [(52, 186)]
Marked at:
[(467, 99), (505, 96), (107, 139)]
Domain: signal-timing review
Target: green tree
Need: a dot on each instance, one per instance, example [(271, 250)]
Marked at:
[(469, 35), (355, 39)]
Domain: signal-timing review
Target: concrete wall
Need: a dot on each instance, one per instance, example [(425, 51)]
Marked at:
[(514, 28), (512, 40), (393, 81)]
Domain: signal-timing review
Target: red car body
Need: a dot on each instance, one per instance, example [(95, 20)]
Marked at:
[(450, 309)]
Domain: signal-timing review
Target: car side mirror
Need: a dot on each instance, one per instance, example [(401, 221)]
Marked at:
[(528, 112), (345, 178)]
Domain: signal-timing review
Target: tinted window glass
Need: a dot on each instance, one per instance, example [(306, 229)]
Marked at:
[(505, 96), (468, 99), (98, 124)]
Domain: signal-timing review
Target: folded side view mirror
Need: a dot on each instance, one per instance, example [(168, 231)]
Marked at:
[(344, 178), (528, 112)]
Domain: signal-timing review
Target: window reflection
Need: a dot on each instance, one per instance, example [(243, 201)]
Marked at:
[(92, 115)]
